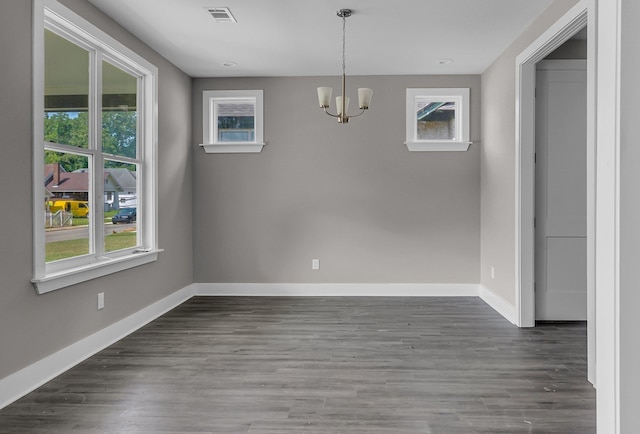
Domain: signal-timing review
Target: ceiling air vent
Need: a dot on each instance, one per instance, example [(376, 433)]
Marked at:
[(222, 15)]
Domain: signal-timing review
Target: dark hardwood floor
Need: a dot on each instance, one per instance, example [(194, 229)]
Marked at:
[(325, 366)]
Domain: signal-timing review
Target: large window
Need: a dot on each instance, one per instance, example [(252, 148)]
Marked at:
[(232, 121), (437, 119), (95, 134)]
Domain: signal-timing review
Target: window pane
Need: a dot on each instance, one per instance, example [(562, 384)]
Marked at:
[(119, 111), (66, 184), (436, 120), (236, 121), (66, 90), (121, 206)]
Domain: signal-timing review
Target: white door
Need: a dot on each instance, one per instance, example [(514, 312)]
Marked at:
[(561, 190)]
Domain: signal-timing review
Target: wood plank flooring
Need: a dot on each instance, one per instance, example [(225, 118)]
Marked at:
[(323, 366)]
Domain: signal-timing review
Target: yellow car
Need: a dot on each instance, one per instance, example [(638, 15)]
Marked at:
[(77, 208)]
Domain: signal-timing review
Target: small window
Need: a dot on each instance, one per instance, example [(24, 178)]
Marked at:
[(437, 119), (232, 121)]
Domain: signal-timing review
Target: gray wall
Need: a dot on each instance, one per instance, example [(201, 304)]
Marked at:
[(629, 301), (351, 195), (34, 326), (498, 158)]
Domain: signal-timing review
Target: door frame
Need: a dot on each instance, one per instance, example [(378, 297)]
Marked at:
[(579, 16)]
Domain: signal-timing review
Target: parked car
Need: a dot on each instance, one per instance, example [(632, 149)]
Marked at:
[(125, 215), (78, 208)]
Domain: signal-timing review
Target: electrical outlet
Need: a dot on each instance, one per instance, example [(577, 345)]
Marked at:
[(315, 264), (493, 272), (100, 300)]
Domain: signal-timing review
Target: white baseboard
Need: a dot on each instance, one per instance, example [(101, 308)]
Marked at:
[(499, 304), (33, 376), (338, 289)]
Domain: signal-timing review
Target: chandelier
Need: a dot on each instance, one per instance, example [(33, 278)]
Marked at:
[(342, 102)]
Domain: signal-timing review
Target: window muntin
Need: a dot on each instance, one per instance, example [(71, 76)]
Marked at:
[(232, 121), (94, 106), (437, 119)]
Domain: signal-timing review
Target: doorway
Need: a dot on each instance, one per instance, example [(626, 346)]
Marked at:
[(561, 183)]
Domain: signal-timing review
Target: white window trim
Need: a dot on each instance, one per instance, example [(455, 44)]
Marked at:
[(59, 274), (461, 97), (209, 126)]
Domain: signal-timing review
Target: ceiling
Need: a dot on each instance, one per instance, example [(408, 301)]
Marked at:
[(304, 37)]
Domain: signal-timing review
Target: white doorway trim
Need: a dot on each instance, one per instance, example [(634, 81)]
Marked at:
[(609, 64), (574, 20)]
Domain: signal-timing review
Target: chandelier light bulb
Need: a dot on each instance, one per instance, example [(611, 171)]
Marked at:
[(324, 96)]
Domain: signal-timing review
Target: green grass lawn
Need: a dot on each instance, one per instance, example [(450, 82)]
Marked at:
[(70, 248), (80, 221)]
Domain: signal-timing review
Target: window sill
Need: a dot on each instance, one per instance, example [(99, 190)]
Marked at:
[(437, 146), (101, 268), (239, 148)]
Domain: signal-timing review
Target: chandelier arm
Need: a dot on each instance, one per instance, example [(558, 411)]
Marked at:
[(329, 113), (359, 114)]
